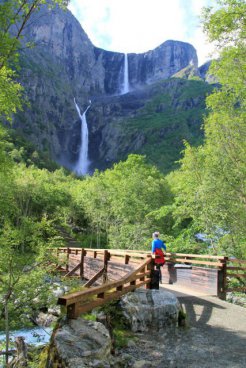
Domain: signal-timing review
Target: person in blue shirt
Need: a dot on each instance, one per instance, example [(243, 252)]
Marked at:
[(157, 249)]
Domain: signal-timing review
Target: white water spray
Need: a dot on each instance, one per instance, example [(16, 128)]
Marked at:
[(81, 167), (126, 76)]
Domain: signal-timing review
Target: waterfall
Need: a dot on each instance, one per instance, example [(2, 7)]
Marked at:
[(125, 88), (81, 167)]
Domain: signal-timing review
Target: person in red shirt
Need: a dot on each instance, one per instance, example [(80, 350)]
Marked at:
[(157, 246)]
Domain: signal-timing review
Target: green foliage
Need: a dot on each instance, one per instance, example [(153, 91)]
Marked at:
[(225, 25), (10, 93), (117, 202), (167, 119), (23, 151), (90, 317), (22, 288), (210, 186)]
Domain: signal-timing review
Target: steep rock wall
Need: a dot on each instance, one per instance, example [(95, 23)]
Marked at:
[(65, 65)]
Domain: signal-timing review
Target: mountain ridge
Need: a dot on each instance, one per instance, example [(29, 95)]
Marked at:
[(65, 65)]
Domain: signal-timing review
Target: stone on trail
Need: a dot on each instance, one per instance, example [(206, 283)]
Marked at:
[(150, 309)]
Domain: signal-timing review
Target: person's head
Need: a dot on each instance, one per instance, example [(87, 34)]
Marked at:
[(156, 235)]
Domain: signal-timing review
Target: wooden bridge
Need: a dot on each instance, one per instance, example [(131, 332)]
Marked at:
[(116, 272)]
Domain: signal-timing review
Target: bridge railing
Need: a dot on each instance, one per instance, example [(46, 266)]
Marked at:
[(211, 273), (88, 299), (134, 256), (87, 263), (236, 271)]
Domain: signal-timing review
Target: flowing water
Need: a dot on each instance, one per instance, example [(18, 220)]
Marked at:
[(35, 336), (125, 88), (83, 163), (82, 166)]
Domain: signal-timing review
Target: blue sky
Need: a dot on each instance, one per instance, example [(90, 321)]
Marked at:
[(141, 25)]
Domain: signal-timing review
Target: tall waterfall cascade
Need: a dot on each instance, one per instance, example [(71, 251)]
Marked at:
[(82, 165), (125, 88)]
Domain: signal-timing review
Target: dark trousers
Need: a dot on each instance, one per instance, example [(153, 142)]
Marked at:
[(158, 267)]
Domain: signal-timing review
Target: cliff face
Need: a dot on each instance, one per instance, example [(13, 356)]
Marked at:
[(160, 63), (154, 121), (65, 65)]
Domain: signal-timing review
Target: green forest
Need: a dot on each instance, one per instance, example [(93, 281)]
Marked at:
[(122, 206)]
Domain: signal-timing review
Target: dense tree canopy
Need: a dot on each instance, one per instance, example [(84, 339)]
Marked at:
[(210, 186), (118, 201)]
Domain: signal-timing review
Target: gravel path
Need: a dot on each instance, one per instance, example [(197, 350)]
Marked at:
[(215, 337)]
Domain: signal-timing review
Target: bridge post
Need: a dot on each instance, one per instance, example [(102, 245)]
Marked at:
[(154, 276), (106, 257), (83, 254), (150, 267), (67, 262), (222, 283), (72, 311)]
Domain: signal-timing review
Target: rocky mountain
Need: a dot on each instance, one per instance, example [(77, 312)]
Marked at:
[(161, 109)]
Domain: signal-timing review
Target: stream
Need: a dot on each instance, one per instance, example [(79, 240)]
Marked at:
[(33, 336)]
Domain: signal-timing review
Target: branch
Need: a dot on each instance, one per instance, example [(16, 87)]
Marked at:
[(22, 26)]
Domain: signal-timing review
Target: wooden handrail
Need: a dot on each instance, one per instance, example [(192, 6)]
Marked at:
[(207, 263), (208, 256), (141, 253), (236, 260), (73, 297), (235, 268), (78, 301), (136, 256)]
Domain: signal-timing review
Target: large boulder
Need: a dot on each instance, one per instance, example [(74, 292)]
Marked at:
[(81, 341), (151, 309)]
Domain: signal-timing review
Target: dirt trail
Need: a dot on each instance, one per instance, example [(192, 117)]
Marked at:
[(215, 336)]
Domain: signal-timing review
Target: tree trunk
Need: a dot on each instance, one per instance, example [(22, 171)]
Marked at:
[(20, 361), (6, 316)]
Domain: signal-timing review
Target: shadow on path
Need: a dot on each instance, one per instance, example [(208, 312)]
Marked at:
[(215, 335)]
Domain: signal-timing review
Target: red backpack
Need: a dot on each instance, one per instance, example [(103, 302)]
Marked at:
[(160, 259)]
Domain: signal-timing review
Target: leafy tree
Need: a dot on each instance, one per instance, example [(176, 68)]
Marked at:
[(14, 16), (118, 201), (37, 198), (210, 187), (225, 127), (22, 287)]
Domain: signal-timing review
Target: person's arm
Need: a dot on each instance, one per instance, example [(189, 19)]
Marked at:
[(153, 246)]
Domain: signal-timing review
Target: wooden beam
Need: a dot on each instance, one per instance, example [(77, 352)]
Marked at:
[(208, 256), (182, 260), (94, 278), (243, 288), (236, 260), (82, 260), (73, 270), (98, 302), (241, 275), (67, 262)]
